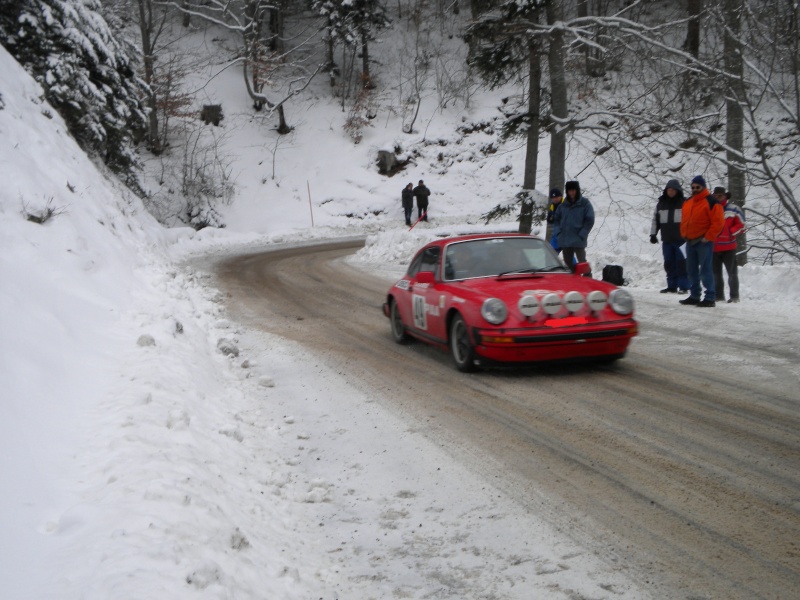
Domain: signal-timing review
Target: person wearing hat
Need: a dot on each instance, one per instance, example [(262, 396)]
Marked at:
[(667, 220), (725, 247), (555, 199), (701, 222), (572, 223)]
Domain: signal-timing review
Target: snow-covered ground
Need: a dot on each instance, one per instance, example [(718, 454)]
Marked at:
[(139, 460)]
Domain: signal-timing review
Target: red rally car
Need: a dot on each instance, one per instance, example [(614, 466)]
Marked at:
[(507, 298)]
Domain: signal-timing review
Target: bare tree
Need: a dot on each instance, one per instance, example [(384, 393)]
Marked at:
[(594, 53), (258, 63), (151, 25), (735, 96), (559, 104), (694, 8), (532, 134), (505, 46), (755, 78)]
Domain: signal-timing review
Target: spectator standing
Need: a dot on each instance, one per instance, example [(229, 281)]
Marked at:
[(556, 197), (725, 247), (667, 220), (407, 196), (421, 193), (701, 222), (572, 222)]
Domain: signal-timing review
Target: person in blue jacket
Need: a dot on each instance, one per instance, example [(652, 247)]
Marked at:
[(572, 223), (556, 197)]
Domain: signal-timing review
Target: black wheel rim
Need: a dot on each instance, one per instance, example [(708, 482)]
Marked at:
[(397, 322), (461, 343)]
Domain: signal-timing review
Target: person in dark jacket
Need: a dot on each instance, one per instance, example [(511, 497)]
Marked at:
[(421, 193), (572, 223), (667, 220), (407, 196)]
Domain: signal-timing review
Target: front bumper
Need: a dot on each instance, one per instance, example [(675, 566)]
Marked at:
[(546, 343)]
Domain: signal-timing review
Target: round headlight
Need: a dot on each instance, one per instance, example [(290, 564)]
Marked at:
[(596, 300), (494, 310), (528, 305), (551, 303), (621, 301), (573, 301)]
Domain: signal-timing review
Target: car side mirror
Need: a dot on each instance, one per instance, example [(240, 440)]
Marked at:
[(583, 269), (425, 277)]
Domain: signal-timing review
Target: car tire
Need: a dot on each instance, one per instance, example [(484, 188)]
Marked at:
[(399, 334), (461, 348)]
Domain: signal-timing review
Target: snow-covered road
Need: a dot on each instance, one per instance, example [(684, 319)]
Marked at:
[(678, 462)]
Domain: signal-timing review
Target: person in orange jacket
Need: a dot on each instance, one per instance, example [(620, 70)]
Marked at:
[(702, 219)]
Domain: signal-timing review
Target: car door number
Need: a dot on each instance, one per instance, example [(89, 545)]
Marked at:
[(420, 314)]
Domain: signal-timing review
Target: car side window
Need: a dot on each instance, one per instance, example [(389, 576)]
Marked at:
[(413, 268), (430, 259)]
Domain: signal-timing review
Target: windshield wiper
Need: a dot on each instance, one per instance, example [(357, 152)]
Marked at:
[(518, 272), (553, 268), (533, 270)]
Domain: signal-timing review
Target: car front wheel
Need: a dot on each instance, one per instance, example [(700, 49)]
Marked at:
[(460, 345), (398, 329)]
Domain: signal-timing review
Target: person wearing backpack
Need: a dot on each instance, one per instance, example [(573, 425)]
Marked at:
[(667, 220), (725, 247), (701, 223)]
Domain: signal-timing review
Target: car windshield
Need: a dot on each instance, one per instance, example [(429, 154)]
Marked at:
[(499, 256)]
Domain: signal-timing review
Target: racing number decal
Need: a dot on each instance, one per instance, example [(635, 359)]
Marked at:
[(420, 314)]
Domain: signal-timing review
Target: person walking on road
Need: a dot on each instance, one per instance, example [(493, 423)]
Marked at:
[(667, 220), (701, 223)]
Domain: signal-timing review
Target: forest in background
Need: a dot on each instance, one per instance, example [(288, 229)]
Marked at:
[(650, 86)]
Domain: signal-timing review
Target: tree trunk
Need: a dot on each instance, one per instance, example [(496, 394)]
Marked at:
[(186, 16), (365, 79), (145, 28), (559, 104), (283, 126), (692, 43), (277, 26), (735, 96), (532, 146), (793, 33), (330, 44), (595, 63), (252, 43)]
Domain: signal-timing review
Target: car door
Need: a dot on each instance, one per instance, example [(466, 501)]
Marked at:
[(426, 311)]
